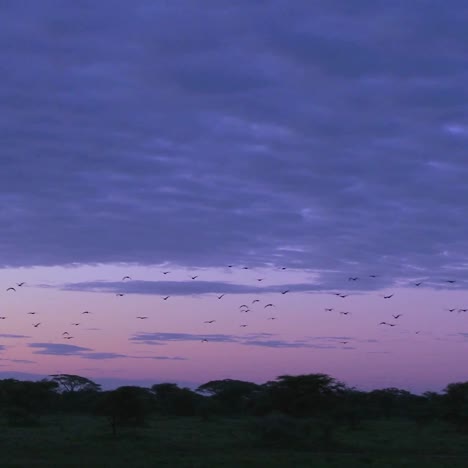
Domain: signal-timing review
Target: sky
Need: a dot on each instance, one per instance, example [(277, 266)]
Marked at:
[(248, 148)]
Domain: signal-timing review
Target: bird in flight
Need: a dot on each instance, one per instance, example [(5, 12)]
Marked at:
[(245, 268), (194, 277), (31, 313), (345, 313), (35, 325), (243, 326), (20, 284), (462, 310), (451, 310), (65, 333), (220, 297), (75, 324), (68, 337), (120, 294), (343, 295), (388, 297), (243, 305), (245, 310), (328, 309), (86, 312), (450, 281), (204, 340), (126, 277), (142, 318), (165, 298), (269, 305), (418, 283), (397, 316), (271, 318), (344, 342), (209, 321), (372, 276), (165, 272), (2, 318), (11, 289), (285, 291), (255, 300), (353, 278)]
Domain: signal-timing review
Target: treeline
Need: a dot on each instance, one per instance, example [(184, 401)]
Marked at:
[(301, 397)]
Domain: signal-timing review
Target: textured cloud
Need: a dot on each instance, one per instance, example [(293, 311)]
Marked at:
[(329, 135), (267, 340), (13, 336), (184, 288), (58, 349)]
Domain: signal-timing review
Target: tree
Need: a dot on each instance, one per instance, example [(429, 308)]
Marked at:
[(74, 383), (303, 395), (456, 397), (233, 396), (171, 399), (126, 405)]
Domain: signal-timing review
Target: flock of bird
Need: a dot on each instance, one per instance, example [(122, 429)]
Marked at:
[(245, 308)]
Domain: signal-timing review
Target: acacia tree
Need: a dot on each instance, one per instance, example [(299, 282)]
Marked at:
[(74, 383)]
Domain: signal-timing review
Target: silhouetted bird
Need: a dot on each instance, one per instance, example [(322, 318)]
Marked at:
[(20, 284), (269, 305), (166, 298), (397, 316), (142, 318), (209, 321), (284, 292), (11, 289), (35, 325), (220, 297)]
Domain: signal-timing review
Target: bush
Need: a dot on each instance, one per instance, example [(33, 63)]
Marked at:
[(19, 417), (279, 430)]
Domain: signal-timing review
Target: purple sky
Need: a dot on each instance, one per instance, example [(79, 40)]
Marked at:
[(328, 138)]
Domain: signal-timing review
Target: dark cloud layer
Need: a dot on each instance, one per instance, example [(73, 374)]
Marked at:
[(58, 349), (267, 340), (185, 288), (326, 135)]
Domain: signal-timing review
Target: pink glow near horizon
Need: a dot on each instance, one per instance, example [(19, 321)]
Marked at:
[(399, 357)]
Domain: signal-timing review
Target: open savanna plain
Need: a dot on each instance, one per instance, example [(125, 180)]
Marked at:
[(191, 442)]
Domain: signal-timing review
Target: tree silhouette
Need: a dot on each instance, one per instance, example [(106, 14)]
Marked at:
[(73, 383)]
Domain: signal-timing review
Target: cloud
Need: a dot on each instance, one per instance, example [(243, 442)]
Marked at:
[(102, 356), (266, 340), (58, 349), (317, 135), (184, 288), (13, 336)]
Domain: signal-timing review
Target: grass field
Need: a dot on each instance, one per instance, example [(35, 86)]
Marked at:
[(79, 441)]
